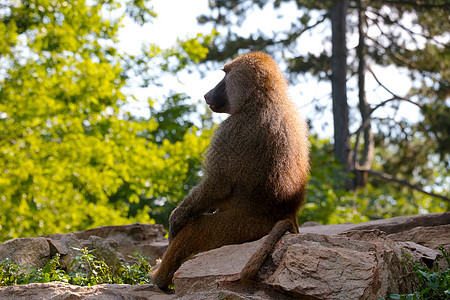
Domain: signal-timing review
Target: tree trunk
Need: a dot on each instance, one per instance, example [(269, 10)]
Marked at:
[(365, 162), (339, 86)]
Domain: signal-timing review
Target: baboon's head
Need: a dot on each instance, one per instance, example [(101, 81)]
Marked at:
[(243, 76)]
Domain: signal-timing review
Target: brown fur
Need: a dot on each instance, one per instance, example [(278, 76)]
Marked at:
[(255, 171)]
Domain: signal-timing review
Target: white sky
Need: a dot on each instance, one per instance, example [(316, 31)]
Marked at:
[(177, 19)]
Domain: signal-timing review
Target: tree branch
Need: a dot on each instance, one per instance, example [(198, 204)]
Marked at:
[(299, 33), (366, 122), (395, 96), (417, 3), (399, 24), (402, 182)]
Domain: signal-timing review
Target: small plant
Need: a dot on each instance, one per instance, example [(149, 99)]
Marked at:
[(434, 285), (138, 273), (50, 272), (88, 271), (11, 274)]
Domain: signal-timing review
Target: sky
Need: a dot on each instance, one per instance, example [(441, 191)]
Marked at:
[(177, 19)]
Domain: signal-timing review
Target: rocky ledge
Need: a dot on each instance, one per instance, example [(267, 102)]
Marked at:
[(344, 261)]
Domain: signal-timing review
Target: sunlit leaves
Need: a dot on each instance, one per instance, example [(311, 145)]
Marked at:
[(69, 157), (196, 48)]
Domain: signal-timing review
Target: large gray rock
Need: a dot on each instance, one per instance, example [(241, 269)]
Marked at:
[(204, 275), (126, 239), (303, 265), (338, 267), (112, 244), (31, 252)]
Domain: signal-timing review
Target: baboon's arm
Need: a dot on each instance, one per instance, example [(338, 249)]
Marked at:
[(203, 198)]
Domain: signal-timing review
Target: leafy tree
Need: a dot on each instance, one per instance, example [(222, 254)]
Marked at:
[(410, 35), (327, 200), (70, 157)]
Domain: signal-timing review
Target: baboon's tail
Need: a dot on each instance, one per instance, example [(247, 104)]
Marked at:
[(254, 264)]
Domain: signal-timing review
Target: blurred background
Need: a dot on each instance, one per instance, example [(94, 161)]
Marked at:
[(102, 120)]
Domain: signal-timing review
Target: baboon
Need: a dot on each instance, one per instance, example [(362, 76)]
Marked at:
[(255, 170)]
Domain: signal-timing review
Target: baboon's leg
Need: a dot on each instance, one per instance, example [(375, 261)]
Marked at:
[(206, 233)]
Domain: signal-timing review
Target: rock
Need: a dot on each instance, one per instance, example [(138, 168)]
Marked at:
[(106, 250), (31, 252), (310, 224), (347, 273), (303, 265), (390, 226), (326, 268), (68, 245), (339, 267), (362, 262), (345, 261), (430, 237), (215, 275), (208, 269), (112, 244), (64, 291), (145, 238)]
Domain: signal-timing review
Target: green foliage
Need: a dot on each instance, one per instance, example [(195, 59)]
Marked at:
[(327, 201), (12, 274), (146, 67), (137, 273), (70, 157), (434, 284), (174, 118), (90, 271)]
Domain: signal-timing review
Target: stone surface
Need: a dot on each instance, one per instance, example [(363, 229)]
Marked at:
[(207, 270), (366, 265), (304, 265), (127, 239), (112, 244), (345, 261), (31, 252), (430, 237), (390, 226), (64, 291), (332, 268)]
